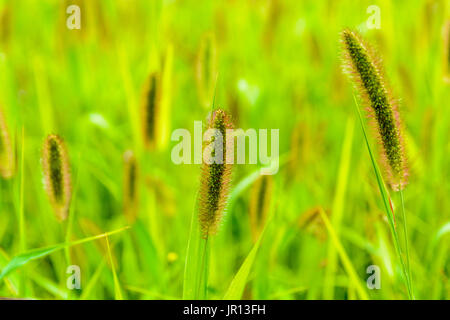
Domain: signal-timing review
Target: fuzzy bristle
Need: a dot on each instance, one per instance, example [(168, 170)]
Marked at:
[(215, 177), (6, 151), (57, 181), (367, 75)]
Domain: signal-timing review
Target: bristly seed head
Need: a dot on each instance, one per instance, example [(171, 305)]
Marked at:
[(216, 176), (367, 75), (7, 163), (57, 181), (150, 109), (130, 186)]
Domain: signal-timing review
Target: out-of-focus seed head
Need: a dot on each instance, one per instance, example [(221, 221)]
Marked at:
[(57, 180), (130, 186), (446, 51), (150, 109), (7, 164)]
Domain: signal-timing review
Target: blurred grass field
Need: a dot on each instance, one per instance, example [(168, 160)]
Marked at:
[(279, 67)]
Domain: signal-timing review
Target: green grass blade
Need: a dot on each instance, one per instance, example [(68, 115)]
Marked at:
[(201, 283), (22, 235), (387, 206), (93, 280), (117, 290), (237, 286), (344, 258), (338, 208), (26, 257), (192, 257)]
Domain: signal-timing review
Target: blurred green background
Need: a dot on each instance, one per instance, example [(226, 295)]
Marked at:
[(279, 67)]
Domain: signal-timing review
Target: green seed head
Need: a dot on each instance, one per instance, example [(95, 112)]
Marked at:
[(365, 71), (150, 109), (216, 176), (6, 151), (57, 180), (130, 186)]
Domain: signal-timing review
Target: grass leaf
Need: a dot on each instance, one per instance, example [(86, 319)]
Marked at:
[(344, 258), (26, 257), (192, 257), (117, 290), (237, 286)]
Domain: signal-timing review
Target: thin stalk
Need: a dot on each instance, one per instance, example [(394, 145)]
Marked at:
[(202, 278), (387, 206), (22, 239), (405, 231)]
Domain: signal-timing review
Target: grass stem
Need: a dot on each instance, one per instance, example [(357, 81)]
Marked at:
[(405, 231)]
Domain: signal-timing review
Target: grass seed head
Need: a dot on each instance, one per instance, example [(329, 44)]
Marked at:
[(7, 164), (215, 176), (446, 51), (130, 186), (57, 181), (367, 75), (150, 109)]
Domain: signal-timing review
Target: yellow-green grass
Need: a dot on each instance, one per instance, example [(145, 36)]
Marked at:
[(86, 85)]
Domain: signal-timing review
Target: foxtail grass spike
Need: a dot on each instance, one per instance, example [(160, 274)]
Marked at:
[(130, 186), (215, 175), (364, 69), (57, 180), (150, 109), (7, 164), (446, 53), (206, 69), (260, 202)]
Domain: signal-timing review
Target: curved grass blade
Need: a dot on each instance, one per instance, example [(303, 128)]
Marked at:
[(237, 286), (117, 290), (23, 258)]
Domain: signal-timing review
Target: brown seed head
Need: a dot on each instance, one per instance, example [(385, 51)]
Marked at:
[(216, 175), (362, 66)]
